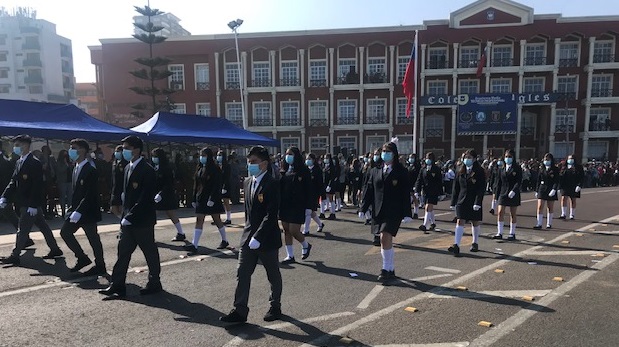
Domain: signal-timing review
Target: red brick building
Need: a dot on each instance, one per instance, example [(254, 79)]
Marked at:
[(87, 99), (324, 88)]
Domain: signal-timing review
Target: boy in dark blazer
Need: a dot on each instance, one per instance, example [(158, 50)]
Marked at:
[(261, 237), (85, 210)]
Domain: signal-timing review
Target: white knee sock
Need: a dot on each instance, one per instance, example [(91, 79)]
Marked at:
[(540, 219), (572, 212), (228, 215), (493, 204), (196, 237), (338, 204), (476, 230), (426, 219), (512, 229), (332, 207), (179, 228), (499, 227), (222, 233), (323, 206), (391, 253), (415, 209), (290, 251), (305, 245), (563, 211), (308, 220), (317, 220), (549, 219), (459, 233), (387, 255), (383, 253)]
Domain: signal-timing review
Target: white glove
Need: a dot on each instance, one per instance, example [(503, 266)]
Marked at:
[(125, 222), (210, 203), (453, 208), (361, 215), (328, 189), (407, 220), (577, 190), (158, 198), (254, 244), (552, 193), (194, 204), (511, 194), (223, 191), (75, 217), (417, 195), (536, 195), (33, 211), (476, 207), (3, 202), (122, 197)]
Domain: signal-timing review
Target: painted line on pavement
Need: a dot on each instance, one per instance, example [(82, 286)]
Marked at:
[(442, 269), (498, 293), (365, 303), (442, 344), (431, 277), (566, 252)]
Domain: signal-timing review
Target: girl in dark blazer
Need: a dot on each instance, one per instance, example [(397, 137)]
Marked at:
[(331, 172), (118, 176), (222, 161), (354, 179), (430, 182), (572, 176), (375, 161), (468, 194), (294, 190), (166, 198), (507, 191), (414, 168), (316, 192), (547, 188), (207, 198)]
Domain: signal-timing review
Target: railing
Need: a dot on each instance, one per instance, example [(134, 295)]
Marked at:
[(502, 62), (434, 132), (347, 120), (377, 77), (233, 85), (535, 61), (376, 119), (562, 96), (349, 79), (404, 120), (319, 122), (288, 122), (468, 63), (31, 46), (261, 82), (318, 83), (33, 63), (563, 128), (33, 79), (571, 62), (263, 122), (203, 86), (289, 82), (603, 58), (176, 85), (527, 131), (237, 122), (601, 93), (599, 126), (438, 64)]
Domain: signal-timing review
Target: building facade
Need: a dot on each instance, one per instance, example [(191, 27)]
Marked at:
[(88, 100), (170, 23), (325, 90), (36, 64)]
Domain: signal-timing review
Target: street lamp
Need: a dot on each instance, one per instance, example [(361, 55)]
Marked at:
[(234, 26)]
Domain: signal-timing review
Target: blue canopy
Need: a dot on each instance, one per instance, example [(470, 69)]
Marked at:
[(54, 121), (164, 126)]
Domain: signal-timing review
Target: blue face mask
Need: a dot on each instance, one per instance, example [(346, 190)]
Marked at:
[(387, 156), (220, 159), (17, 150), (156, 160), (289, 159), (428, 161), (411, 160), (509, 160), (547, 162), (309, 162), (118, 155), (327, 161), (73, 155), (570, 162), (253, 169), (468, 162), (365, 160), (127, 154), (376, 157), (500, 163), (202, 160)]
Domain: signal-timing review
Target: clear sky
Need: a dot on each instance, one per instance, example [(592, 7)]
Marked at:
[(87, 21)]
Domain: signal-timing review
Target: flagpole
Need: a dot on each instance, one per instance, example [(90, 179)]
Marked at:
[(416, 75)]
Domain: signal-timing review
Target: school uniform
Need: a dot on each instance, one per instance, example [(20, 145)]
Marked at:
[(118, 177), (317, 187), (295, 191), (548, 180), (332, 177), (164, 186), (225, 181), (509, 179), (413, 175), (207, 187), (571, 178), (469, 189), (430, 181)]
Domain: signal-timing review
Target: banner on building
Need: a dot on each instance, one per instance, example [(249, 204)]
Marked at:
[(487, 114)]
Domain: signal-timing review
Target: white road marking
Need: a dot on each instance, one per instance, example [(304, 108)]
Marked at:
[(365, 303), (442, 269), (431, 277), (564, 252), (442, 344), (237, 341), (513, 294)]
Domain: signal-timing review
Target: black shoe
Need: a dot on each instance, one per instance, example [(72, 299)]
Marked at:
[(455, 249), (474, 247), (273, 314), (571, 217), (223, 245), (307, 252), (288, 260), (376, 241), (433, 227), (548, 226), (423, 228), (95, 271), (151, 288), (386, 276), (331, 216), (562, 217), (29, 243), (10, 260), (191, 249), (537, 227), (322, 216), (497, 237), (492, 211), (233, 317), (227, 222), (322, 226), (53, 254), (454, 220), (113, 290), (415, 216), (511, 238), (368, 222), (81, 263), (179, 238)]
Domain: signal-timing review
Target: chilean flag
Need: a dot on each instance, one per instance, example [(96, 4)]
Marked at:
[(482, 63), (408, 84)]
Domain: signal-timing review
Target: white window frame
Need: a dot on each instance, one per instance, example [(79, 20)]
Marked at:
[(258, 108), (402, 64), (436, 52), (500, 82), (322, 147), (345, 104), (593, 144), (377, 65), (232, 74), (201, 113), (599, 113), (341, 73), (405, 144), (235, 106), (432, 122), (565, 82), (179, 108), (597, 79), (292, 141), (462, 90), (472, 54), (534, 48), (258, 68), (314, 105), (177, 76), (563, 118), (434, 84), (200, 77), (315, 71), (376, 108), (373, 142), (502, 47), (345, 139), (530, 120), (563, 45), (285, 106), (596, 49), (283, 68), (532, 79)]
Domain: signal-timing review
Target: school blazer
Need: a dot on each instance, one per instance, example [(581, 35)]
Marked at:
[(261, 214), (25, 189), (85, 198), (389, 194), (430, 182), (508, 180), (139, 204)]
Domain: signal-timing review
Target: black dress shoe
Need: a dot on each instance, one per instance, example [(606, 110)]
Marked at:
[(53, 254), (368, 222), (474, 247), (423, 228), (537, 227), (227, 222), (511, 238), (376, 241), (386, 276), (223, 245), (322, 216), (455, 249), (331, 216), (179, 238), (454, 220), (288, 260), (95, 271), (29, 243), (433, 227), (492, 211), (233, 317), (10, 260), (151, 288), (320, 228), (562, 217), (191, 249), (548, 226), (113, 290), (274, 314), (307, 251), (415, 216), (497, 237), (571, 217), (81, 263)]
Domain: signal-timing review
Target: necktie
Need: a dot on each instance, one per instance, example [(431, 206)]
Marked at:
[(253, 188), (75, 174)]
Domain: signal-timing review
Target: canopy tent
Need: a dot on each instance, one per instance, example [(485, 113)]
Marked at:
[(54, 121), (164, 126)]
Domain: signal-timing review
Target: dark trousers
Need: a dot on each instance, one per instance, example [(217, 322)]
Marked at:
[(130, 238), (90, 229), (248, 259), (8, 214), (26, 221)]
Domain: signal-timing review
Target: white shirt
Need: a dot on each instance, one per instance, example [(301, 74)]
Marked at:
[(256, 182), (133, 164), (387, 169), (508, 167), (78, 169)]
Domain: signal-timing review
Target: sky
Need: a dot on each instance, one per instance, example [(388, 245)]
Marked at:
[(87, 21)]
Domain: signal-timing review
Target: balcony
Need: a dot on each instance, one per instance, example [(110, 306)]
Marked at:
[(468, 63), (600, 125), (318, 83), (563, 96), (34, 79), (535, 61), (502, 62), (233, 85), (263, 122), (601, 93), (377, 77), (376, 119), (33, 63), (261, 83), (289, 82), (438, 64), (203, 86), (563, 128), (290, 122), (177, 85), (603, 58), (31, 46), (527, 131), (572, 62), (347, 120), (403, 120), (434, 132), (29, 30), (318, 122), (349, 79), (237, 122)]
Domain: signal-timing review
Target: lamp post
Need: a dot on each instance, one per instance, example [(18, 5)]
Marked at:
[(234, 25)]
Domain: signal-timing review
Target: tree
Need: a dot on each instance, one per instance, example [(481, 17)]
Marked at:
[(153, 68)]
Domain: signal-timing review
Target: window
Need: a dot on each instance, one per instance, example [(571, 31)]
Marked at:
[(289, 74), (318, 143), (402, 64), (374, 142), (500, 85), (347, 71), (603, 52), (502, 56), (533, 84), (347, 112), (528, 126), (376, 70), (35, 89), (567, 85), (318, 113), (599, 119), (598, 150), (405, 144), (468, 86), (563, 149), (437, 87), (469, 56), (4, 73), (179, 108), (601, 86), (290, 113), (262, 114), (568, 54), (177, 79), (318, 73), (262, 74), (288, 142), (203, 109), (234, 113), (434, 126), (2, 40), (5, 88), (438, 58), (202, 76), (348, 142), (232, 76), (535, 54), (376, 111), (565, 120), (3, 56), (401, 118)]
